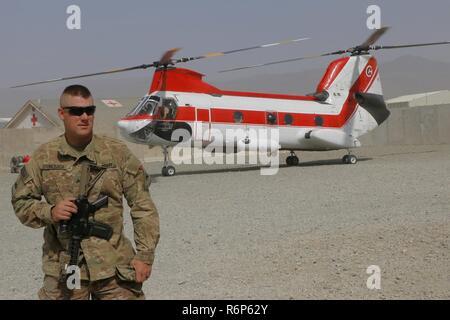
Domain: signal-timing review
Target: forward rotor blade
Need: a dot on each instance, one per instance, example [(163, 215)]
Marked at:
[(143, 66), (166, 59), (167, 56), (217, 54)]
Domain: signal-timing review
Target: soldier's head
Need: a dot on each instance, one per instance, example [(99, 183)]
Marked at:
[(77, 112)]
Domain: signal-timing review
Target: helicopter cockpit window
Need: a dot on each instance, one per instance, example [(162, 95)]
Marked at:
[(156, 98), (145, 106), (133, 111), (168, 109), (148, 107)]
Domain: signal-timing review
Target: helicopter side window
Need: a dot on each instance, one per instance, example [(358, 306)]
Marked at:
[(288, 119), (168, 109), (318, 120), (238, 116), (271, 118)]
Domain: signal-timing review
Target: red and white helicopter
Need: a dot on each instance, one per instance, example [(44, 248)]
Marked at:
[(348, 103)]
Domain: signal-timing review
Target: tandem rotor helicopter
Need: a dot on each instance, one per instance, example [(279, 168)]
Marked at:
[(347, 103)]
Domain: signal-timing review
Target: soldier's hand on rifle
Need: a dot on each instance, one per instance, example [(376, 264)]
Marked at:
[(64, 210), (142, 269)]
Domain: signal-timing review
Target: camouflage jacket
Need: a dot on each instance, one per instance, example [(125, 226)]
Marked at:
[(54, 172)]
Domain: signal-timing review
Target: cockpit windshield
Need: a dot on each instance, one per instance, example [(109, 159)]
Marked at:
[(145, 106), (152, 105)]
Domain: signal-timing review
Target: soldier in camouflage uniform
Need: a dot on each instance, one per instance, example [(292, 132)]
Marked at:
[(110, 269)]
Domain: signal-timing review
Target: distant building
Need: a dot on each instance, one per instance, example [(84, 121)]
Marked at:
[(38, 122), (420, 100), (4, 121), (33, 115), (44, 114)]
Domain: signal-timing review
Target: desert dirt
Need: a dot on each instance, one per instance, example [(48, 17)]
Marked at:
[(308, 232)]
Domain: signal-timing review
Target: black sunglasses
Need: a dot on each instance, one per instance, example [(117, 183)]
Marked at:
[(78, 111)]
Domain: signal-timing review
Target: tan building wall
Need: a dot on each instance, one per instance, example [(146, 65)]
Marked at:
[(421, 99)]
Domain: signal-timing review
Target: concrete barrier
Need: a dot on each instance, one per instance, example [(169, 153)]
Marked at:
[(14, 142), (413, 126), (408, 126)]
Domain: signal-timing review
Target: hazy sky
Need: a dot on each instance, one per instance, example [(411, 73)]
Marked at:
[(36, 44)]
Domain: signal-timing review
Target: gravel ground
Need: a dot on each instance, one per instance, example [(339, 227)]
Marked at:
[(308, 232)]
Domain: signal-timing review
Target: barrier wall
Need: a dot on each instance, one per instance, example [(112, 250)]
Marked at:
[(411, 126), (15, 142)]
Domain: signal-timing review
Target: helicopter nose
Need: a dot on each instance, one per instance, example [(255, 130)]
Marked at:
[(128, 126), (123, 125)]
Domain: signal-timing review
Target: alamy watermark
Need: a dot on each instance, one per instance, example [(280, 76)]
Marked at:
[(374, 280), (73, 21), (214, 147), (74, 279), (374, 20)]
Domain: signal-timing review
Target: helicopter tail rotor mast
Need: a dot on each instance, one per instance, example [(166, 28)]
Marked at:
[(165, 61)]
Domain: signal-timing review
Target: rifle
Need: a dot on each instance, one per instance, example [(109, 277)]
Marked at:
[(80, 227)]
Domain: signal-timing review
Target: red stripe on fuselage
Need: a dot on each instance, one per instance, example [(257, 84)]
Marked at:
[(138, 117), (267, 95), (203, 115)]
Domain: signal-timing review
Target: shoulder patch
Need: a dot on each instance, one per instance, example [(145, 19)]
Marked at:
[(25, 175), (24, 172)]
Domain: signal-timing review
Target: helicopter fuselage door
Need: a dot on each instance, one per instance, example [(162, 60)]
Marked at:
[(203, 125)]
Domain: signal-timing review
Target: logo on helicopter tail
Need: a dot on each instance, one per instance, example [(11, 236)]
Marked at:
[(369, 71)]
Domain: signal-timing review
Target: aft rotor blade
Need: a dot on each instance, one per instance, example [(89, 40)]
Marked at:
[(410, 45), (281, 61), (218, 54), (143, 66), (374, 37)]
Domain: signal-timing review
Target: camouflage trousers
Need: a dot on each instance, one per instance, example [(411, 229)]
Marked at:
[(105, 289)]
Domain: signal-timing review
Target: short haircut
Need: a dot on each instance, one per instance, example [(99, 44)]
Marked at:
[(76, 90)]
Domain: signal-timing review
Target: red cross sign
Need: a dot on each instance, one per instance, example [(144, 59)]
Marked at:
[(34, 119)]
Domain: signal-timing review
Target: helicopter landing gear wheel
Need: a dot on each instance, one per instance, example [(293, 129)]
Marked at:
[(349, 159), (292, 160), (167, 171), (352, 159), (345, 159)]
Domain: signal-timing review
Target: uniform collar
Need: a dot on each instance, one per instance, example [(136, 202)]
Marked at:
[(67, 150)]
